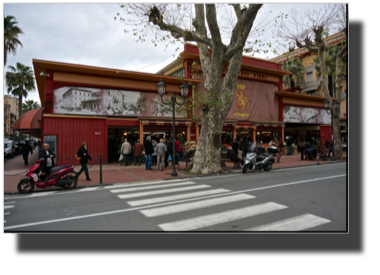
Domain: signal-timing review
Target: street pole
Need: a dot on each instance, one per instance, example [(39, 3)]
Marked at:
[(332, 132), (174, 172), (184, 91), (101, 176)]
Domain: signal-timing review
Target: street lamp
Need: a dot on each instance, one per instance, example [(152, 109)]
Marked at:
[(184, 91), (335, 108)]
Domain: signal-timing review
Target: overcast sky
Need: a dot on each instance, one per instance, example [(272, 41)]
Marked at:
[(88, 34)]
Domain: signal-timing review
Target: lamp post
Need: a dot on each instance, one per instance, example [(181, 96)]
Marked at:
[(335, 107), (184, 91)]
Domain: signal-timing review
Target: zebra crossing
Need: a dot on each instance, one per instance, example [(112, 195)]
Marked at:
[(162, 200), (7, 206)]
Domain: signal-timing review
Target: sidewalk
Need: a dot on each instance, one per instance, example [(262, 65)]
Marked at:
[(114, 173)]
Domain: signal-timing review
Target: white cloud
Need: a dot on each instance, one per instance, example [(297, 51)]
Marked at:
[(88, 34)]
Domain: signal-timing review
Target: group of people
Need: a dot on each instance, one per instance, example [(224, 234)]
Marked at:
[(157, 153), (27, 149)]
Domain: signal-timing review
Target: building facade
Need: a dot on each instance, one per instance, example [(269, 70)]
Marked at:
[(311, 85), (102, 106)]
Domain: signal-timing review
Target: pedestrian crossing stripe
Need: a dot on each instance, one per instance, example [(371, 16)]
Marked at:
[(130, 189), (8, 206), (157, 192), (171, 209), (221, 217), (177, 197), (298, 223)]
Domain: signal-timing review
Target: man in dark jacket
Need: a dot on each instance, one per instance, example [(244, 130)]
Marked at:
[(289, 144), (48, 155), (85, 156), (148, 153), (244, 147), (235, 146), (25, 149)]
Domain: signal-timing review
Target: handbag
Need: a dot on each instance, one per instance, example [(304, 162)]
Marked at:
[(121, 157), (170, 158), (78, 158)]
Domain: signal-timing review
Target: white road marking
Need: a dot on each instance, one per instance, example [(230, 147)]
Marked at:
[(8, 206), (87, 189), (173, 198), (298, 223), (125, 184), (130, 189), (177, 197), (160, 211), (143, 194), (9, 202), (222, 217), (297, 168), (6, 213)]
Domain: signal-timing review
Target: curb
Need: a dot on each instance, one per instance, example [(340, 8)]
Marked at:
[(168, 179)]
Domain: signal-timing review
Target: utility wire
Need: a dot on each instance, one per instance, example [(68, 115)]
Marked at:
[(153, 64)]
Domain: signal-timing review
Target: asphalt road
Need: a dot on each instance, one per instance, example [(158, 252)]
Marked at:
[(295, 199)]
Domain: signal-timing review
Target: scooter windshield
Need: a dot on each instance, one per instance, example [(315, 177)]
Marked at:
[(252, 147)]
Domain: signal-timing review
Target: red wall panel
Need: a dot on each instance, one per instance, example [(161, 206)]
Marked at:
[(72, 132), (325, 133)]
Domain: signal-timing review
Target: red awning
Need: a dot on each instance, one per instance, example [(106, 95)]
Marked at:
[(29, 122)]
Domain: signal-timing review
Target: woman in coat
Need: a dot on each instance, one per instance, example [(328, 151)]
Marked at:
[(83, 154), (154, 155)]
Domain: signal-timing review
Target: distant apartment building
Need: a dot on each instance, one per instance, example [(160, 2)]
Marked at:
[(11, 114)]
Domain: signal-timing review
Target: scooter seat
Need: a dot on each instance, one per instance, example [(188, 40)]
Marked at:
[(56, 169)]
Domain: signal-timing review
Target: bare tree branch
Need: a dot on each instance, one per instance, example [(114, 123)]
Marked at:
[(213, 26)]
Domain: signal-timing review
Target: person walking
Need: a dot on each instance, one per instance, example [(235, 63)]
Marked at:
[(302, 146), (289, 144), (170, 146), (182, 143), (167, 153), (244, 147), (126, 150), (138, 148), (235, 147), (160, 151), (177, 151), (154, 155), (48, 155), (132, 154), (25, 149), (85, 156), (39, 144), (148, 153)]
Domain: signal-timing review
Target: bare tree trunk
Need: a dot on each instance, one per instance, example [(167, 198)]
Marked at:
[(338, 87)]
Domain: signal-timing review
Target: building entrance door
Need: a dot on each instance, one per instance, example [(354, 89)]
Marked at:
[(116, 136)]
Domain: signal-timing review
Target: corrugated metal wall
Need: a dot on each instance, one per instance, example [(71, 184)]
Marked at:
[(72, 132), (325, 133)]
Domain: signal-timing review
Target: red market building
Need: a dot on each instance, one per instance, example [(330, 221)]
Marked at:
[(85, 103)]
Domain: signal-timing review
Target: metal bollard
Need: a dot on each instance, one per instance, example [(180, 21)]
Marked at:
[(100, 170)]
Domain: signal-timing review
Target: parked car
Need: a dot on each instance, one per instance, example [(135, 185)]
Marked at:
[(17, 148), (9, 148)]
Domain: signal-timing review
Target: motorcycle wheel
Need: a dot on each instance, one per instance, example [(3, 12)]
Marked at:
[(268, 167), (245, 167), (73, 184), (25, 186)]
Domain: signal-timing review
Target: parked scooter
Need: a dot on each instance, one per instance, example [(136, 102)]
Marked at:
[(57, 176), (263, 161)]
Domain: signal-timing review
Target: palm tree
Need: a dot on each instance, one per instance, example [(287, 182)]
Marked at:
[(331, 53), (29, 105), (11, 32), (20, 81), (293, 65)]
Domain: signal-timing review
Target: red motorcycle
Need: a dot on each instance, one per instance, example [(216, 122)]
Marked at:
[(57, 176)]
